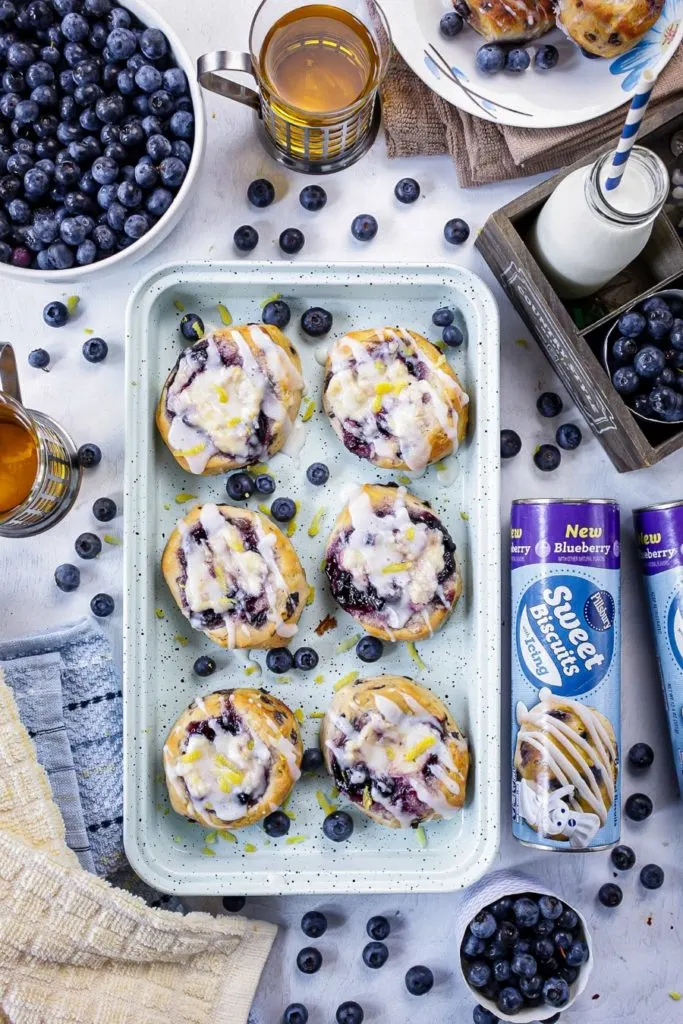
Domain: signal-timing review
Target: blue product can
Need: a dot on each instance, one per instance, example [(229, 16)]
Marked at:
[(566, 678), (659, 535)]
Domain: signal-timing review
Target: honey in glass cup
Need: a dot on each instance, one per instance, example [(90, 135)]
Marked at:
[(18, 464)]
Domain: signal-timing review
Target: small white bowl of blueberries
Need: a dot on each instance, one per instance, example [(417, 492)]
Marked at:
[(101, 135), (643, 354)]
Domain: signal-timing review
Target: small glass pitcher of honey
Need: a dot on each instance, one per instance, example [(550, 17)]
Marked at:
[(318, 69), (39, 471)]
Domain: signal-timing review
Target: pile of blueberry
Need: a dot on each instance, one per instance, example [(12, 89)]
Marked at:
[(523, 951), (493, 57), (96, 131), (547, 457), (645, 358)]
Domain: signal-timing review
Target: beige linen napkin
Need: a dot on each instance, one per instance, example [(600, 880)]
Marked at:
[(418, 122), (75, 950)]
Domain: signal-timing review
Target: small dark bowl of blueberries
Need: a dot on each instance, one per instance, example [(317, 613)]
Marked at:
[(525, 957), (101, 135), (643, 354)]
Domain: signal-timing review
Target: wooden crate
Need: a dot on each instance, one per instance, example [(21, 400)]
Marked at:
[(571, 332)]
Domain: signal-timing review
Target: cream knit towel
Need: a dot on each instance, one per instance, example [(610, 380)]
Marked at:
[(75, 950)]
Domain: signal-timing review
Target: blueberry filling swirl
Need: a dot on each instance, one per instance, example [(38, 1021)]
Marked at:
[(395, 564), (230, 577), (228, 397)]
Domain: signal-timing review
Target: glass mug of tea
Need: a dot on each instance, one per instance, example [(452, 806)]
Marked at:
[(318, 69), (39, 470)]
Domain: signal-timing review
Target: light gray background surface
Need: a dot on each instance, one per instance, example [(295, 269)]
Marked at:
[(638, 946)]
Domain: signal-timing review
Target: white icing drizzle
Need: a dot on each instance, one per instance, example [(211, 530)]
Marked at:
[(389, 743), (561, 747), (368, 382), (218, 411), (221, 566), (400, 559)]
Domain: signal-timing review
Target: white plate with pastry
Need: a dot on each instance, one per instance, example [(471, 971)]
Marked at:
[(584, 56), (239, 555)]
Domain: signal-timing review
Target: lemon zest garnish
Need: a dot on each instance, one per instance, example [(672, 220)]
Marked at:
[(224, 314), (160, 613), (232, 775), (208, 852), (72, 303), (178, 305), (257, 468), (367, 798), (405, 480), (308, 411), (224, 762), (250, 669), (377, 404), (167, 506), (391, 753), (345, 645), (440, 466), (224, 785), (271, 298), (234, 421), (314, 528), (211, 837), (419, 748), (192, 755), (176, 839), (316, 714), (191, 451), (109, 538), (383, 388), (183, 496), (264, 508), (250, 743), (421, 836), (290, 814), (413, 652), (379, 366), (291, 528), (249, 848), (676, 996), (180, 639), (325, 804), (299, 715), (235, 544), (221, 392), (88, 330), (227, 836), (319, 678), (410, 533), (350, 677), (291, 840), (441, 345), (396, 567), (465, 516), (311, 596)]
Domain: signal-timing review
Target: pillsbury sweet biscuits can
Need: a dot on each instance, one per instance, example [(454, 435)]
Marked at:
[(566, 695), (659, 535)]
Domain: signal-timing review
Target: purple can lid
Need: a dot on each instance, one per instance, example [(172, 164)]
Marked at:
[(572, 532), (659, 536)]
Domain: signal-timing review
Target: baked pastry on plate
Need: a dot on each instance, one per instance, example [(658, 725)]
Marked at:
[(566, 764), (235, 576), (391, 564), (395, 751), (392, 398), (231, 399), (607, 27), (508, 21), (232, 758)]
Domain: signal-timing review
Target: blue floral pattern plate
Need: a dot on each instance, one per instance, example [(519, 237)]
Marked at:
[(576, 90)]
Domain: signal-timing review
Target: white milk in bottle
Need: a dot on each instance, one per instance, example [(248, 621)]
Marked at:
[(585, 235)]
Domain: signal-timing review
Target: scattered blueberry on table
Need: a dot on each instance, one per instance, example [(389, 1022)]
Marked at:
[(264, 483), (89, 455), (364, 227), (451, 24), (102, 605), (39, 359), (317, 474), (651, 876), (378, 928), (480, 1015), (261, 193), (610, 894), (623, 858), (95, 350), (277, 313), (312, 761), (456, 231), (338, 826), (369, 648), (55, 314), (546, 57), (568, 436), (443, 316), (291, 241), (245, 238), (547, 458), (510, 443), (67, 577), (313, 198), (316, 321), (407, 190), (191, 327), (239, 486), (638, 807), (279, 660), (549, 404), (305, 659), (349, 1012), (375, 955), (276, 824), (295, 1013), (309, 960), (204, 666), (490, 58), (452, 336), (641, 756), (517, 59), (419, 980), (314, 924), (283, 510), (88, 545), (104, 509)]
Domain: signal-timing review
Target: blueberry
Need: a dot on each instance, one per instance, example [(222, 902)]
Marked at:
[(631, 325), (666, 404), (625, 380), (549, 404), (375, 955), (667, 377), (638, 807), (295, 1013), (547, 458), (276, 824), (649, 361), (531, 988), (283, 510), (407, 190), (490, 58), (74, 230), (543, 949), (568, 436), (517, 59), (67, 577), (148, 78), (39, 359), (507, 933), (245, 238), (556, 992), (136, 226), (204, 666), (452, 336), (317, 474), (88, 545), (451, 24), (172, 171), (276, 312), (104, 509), (472, 946), (102, 605), (510, 1000), (19, 55), (181, 149), (21, 257), (313, 198), (305, 659), (562, 939), (314, 924), (510, 443), (158, 148), (129, 195), (478, 974), (577, 953), (641, 755), (443, 316), (364, 227), (338, 826), (264, 483), (480, 1015), (36, 182), (369, 648), (121, 43), (110, 109), (104, 238), (89, 455), (659, 322), (279, 660), (233, 903), (610, 895), (191, 327), (456, 231), (181, 124), (524, 965), (312, 761), (291, 241), (526, 912), (349, 1013), (483, 925), (175, 81), (676, 335), (651, 876), (316, 321), (568, 919), (419, 980), (153, 43), (501, 971), (95, 350), (239, 486), (309, 960), (624, 350), (495, 950), (378, 928), (549, 907), (546, 57), (261, 193), (544, 927)]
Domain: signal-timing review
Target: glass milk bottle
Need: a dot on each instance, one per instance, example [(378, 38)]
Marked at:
[(584, 235)]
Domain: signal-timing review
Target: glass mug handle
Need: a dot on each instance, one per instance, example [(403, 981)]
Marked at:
[(210, 64), (9, 378)]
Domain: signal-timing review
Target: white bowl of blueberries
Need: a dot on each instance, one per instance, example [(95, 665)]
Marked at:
[(101, 135), (643, 354)]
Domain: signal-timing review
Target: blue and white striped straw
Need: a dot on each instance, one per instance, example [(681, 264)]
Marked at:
[(635, 115)]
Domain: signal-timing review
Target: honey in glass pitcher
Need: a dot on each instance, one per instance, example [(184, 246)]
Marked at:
[(18, 464)]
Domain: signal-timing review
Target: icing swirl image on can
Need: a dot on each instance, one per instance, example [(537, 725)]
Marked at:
[(565, 558)]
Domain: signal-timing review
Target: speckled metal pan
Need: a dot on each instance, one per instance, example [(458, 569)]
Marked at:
[(461, 661)]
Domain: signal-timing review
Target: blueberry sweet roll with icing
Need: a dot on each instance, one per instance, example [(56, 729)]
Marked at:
[(232, 758), (393, 399), (235, 577), (391, 564), (395, 751), (231, 399)]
